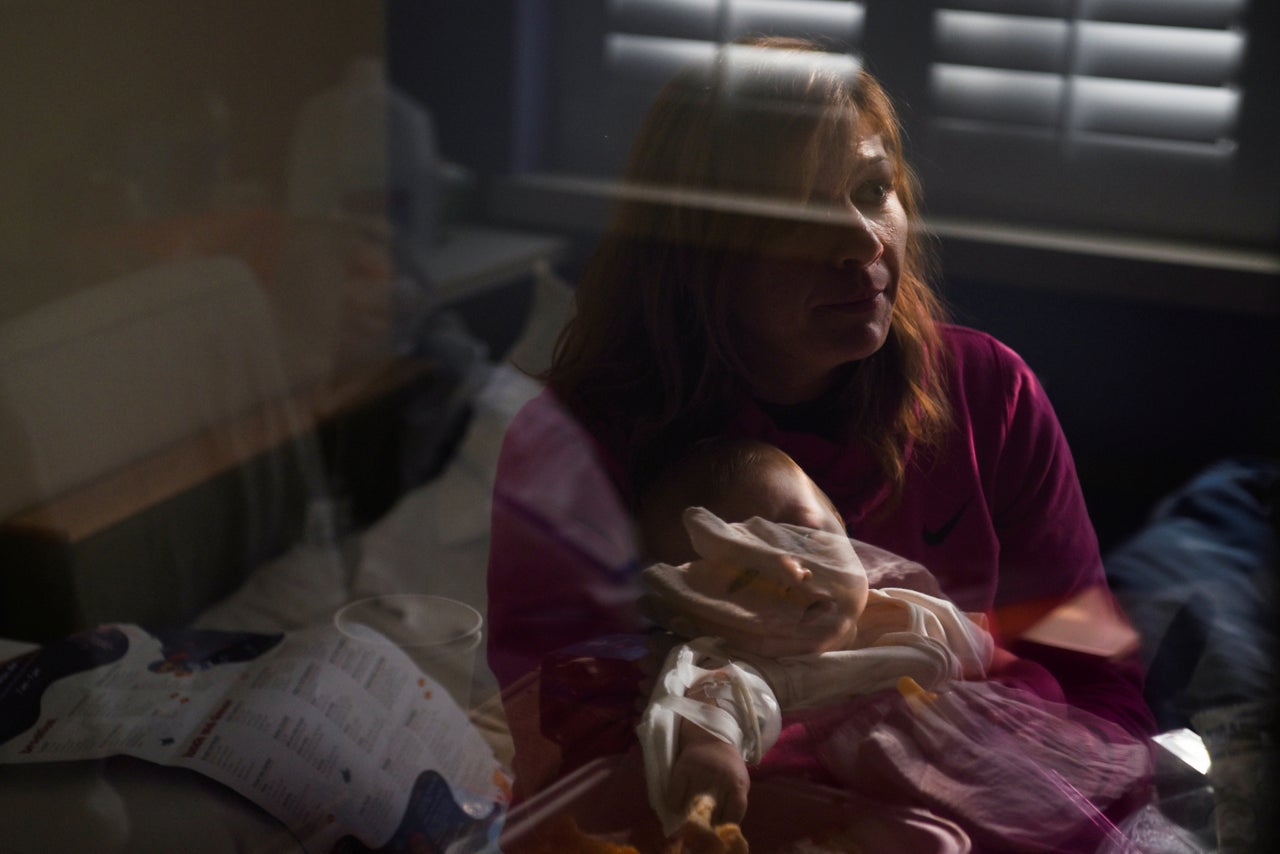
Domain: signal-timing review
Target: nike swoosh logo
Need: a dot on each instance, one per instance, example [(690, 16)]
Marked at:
[(936, 536)]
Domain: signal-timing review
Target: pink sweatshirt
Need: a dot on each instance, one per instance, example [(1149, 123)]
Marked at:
[(996, 514)]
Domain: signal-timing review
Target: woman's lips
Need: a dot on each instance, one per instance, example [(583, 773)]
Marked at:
[(855, 306)]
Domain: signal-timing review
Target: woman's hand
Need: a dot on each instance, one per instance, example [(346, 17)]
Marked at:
[(706, 765)]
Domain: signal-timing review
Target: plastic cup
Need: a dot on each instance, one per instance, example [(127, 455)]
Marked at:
[(440, 635)]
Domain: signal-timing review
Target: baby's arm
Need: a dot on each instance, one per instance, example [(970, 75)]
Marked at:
[(707, 720), (705, 764)]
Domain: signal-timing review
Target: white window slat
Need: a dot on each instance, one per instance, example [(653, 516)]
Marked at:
[(835, 23), (1007, 97), (740, 58), (684, 19), (1159, 110), (1001, 41), (1202, 14), (651, 61), (1166, 54), (1045, 8)]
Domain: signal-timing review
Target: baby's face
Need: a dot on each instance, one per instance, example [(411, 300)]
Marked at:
[(798, 610), (804, 606)]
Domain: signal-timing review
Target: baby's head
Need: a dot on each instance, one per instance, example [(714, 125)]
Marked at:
[(804, 598), (735, 479)]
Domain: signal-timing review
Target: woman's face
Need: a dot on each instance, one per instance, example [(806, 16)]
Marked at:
[(819, 292)]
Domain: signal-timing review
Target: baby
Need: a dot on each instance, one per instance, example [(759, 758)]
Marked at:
[(754, 565)]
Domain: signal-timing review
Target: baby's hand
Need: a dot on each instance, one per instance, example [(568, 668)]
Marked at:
[(705, 765), (699, 836)]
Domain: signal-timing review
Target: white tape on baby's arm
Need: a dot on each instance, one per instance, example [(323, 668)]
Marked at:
[(739, 689), (742, 712), (717, 721), (761, 706)]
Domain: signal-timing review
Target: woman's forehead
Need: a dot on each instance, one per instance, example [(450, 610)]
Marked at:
[(869, 148), (844, 162)]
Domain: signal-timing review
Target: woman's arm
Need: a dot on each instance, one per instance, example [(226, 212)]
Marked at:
[(563, 565), (1049, 552)]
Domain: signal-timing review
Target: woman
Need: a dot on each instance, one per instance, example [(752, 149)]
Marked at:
[(764, 276)]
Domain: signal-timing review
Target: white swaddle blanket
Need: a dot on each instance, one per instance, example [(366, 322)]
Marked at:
[(900, 633)]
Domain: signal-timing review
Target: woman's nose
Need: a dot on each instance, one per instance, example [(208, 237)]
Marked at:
[(857, 244)]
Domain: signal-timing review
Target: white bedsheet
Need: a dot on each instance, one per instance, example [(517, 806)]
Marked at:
[(434, 540)]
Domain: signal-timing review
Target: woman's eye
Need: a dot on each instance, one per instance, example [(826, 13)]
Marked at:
[(873, 192)]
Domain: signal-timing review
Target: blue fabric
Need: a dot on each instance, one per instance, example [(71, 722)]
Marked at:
[(1199, 583)]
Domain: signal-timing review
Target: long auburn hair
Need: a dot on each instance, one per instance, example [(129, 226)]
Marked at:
[(649, 360)]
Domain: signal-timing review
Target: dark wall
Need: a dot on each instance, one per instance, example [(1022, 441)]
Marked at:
[(1147, 393), (457, 59)]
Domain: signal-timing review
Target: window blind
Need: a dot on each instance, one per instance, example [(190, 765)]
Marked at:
[(1145, 116), (1104, 113), (650, 40), (647, 42), (1099, 72)]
